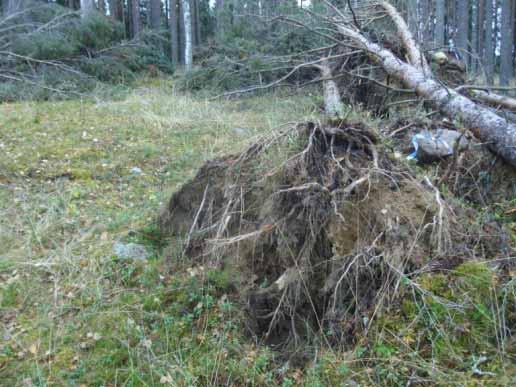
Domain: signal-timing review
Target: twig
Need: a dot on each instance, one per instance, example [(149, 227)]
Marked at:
[(196, 219)]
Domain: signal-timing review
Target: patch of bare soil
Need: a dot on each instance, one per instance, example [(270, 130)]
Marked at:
[(324, 225)]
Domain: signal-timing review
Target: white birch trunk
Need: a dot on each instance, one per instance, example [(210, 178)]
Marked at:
[(493, 130), (187, 17), (87, 7)]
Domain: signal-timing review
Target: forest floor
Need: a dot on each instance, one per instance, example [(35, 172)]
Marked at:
[(77, 176)]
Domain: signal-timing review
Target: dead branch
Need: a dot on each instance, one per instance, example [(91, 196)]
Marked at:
[(495, 100), (415, 55), (489, 127), (277, 82)]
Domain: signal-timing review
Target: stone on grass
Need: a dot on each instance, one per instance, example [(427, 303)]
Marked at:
[(136, 171), (130, 251)]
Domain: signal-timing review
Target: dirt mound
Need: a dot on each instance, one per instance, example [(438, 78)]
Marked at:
[(325, 225)]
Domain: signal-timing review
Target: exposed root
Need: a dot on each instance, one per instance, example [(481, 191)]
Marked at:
[(324, 227)]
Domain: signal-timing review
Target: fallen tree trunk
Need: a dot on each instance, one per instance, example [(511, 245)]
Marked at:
[(495, 100), (492, 129)]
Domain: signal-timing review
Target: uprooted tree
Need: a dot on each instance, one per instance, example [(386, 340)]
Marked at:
[(324, 225), (370, 46), (414, 72)]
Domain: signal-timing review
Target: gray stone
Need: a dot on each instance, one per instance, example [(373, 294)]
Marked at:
[(136, 171), (130, 251), (242, 131)]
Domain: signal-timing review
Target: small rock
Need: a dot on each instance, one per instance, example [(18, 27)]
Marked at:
[(241, 131), (130, 251), (136, 171)]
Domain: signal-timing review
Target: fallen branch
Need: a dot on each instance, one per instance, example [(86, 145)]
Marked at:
[(495, 100), (492, 129)]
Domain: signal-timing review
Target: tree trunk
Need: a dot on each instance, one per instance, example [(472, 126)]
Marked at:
[(461, 36), (187, 17), (181, 21), (506, 44), (473, 57), (489, 42), (490, 128), (193, 17), (155, 14), (412, 17), (87, 7), (481, 16), (332, 99), (440, 14), (514, 33), (198, 37), (219, 16), (174, 31), (12, 6), (102, 6), (134, 15), (116, 9), (426, 22), (495, 100)]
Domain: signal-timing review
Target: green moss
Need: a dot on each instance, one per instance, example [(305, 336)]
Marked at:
[(10, 296), (436, 283), (475, 277), (81, 174)]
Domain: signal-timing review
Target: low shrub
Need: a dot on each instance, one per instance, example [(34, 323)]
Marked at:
[(55, 60)]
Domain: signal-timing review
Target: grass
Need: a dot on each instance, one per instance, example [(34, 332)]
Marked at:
[(67, 193), (73, 314)]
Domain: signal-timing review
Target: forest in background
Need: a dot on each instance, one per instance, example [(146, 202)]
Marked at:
[(53, 45)]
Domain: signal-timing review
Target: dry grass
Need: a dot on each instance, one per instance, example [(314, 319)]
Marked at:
[(67, 193)]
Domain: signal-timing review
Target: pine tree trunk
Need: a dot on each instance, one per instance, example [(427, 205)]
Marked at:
[(181, 21), (116, 9), (174, 31), (412, 17), (102, 6), (187, 17), (506, 44), (481, 16), (461, 36), (440, 13), (155, 14), (474, 38), (489, 41), (193, 16), (135, 18), (220, 16), (426, 22), (198, 37)]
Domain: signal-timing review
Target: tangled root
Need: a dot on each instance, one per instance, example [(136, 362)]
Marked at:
[(324, 226)]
